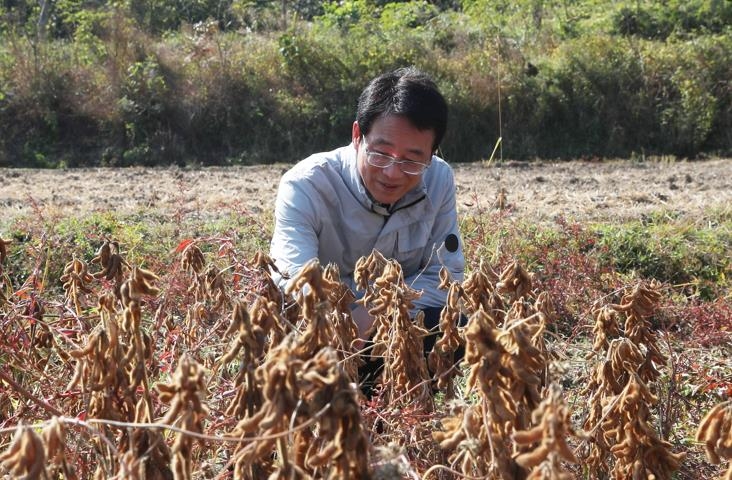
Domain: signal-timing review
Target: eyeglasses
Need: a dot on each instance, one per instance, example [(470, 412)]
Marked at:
[(382, 160)]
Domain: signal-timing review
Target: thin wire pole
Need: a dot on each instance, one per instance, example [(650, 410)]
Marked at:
[(500, 113)]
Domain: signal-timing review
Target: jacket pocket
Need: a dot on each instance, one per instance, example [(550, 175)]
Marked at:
[(412, 247)]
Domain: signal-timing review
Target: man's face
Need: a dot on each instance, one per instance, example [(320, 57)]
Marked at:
[(394, 136)]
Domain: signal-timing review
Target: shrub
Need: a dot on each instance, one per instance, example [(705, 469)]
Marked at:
[(681, 18), (113, 85)]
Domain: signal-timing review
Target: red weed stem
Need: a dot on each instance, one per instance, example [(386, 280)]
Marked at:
[(18, 388)]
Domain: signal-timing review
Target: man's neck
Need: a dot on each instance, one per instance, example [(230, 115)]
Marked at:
[(376, 206)]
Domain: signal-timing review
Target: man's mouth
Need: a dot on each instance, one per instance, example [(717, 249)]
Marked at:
[(389, 186)]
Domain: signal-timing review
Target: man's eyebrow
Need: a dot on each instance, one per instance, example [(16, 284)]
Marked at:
[(383, 142)]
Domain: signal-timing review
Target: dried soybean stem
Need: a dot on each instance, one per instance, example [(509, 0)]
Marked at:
[(162, 426), (435, 468)]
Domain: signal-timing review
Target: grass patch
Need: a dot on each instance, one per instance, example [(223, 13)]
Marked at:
[(689, 254)]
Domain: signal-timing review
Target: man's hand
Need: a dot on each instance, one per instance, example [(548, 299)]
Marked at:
[(364, 321)]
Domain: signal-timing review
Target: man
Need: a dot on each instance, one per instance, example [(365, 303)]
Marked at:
[(387, 191)]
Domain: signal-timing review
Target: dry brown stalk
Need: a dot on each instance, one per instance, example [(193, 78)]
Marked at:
[(280, 392), (187, 407), (606, 328), (3, 251), (111, 370), (26, 456), (345, 331), (514, 281), (441, 358), (545, 308), (75, 280), (100, 371), (368, 268), (621, 361), (523, 339), (339, 294), (547, 439), (308, 425), (34, 309), (313, 294), (196, 315), (489, 373), (325, 314), (340, 449), (110, 260), (507, 367), (715, 430), (611, 376), (267, 397), (139, 284), (251, 338), (620, 395), (215, 287), (263, 261), (266, 314), (642, 301), (477, 436), (479, 289), (268, 288), (639, 305), (139, 349), (192, 259), (193, 262), (251, 342), (477, 449), (398, 338), (638, 450), (54, 441), (312, 276), (208, 284)]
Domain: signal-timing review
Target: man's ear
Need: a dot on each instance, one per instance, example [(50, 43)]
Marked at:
[(355, 133)]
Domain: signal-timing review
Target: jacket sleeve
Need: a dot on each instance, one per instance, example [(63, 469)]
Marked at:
[(437, 254), (295, 239)]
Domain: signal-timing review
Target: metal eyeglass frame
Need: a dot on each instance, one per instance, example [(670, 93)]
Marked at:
[(392, 160)]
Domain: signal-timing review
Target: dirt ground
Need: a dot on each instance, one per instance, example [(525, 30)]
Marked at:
[(609, 190)]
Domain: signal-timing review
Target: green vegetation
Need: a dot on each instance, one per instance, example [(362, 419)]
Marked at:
[(242, 81), (694, 255)]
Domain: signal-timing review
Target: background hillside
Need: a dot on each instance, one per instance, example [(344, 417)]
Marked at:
[(127, 82)]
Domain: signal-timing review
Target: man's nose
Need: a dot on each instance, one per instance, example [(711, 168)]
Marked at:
[(393, 171)]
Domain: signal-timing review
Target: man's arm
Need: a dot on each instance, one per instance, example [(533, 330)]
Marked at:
[(445, 248), (295, 240)]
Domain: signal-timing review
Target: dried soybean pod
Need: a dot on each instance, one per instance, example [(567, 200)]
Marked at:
[(714, 430), (4, 249)]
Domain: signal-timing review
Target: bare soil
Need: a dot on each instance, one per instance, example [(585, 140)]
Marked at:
[(603, 190)]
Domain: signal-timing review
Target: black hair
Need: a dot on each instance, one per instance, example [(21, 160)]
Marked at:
[(408, 92)]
